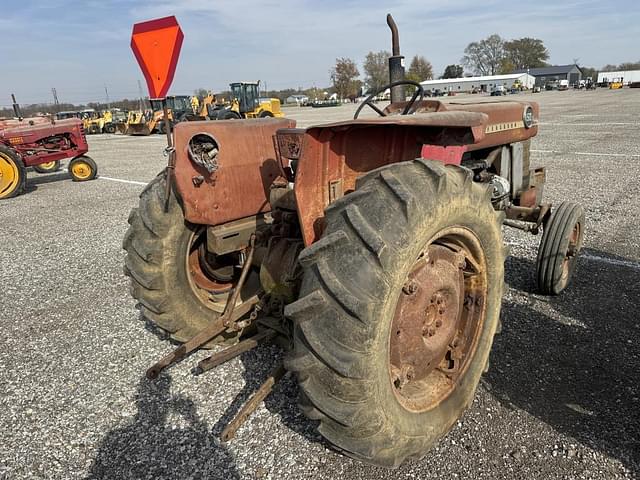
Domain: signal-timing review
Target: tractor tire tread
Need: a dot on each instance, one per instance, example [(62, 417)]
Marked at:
[(335, 314)]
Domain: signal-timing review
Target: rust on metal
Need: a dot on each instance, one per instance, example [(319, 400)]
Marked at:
[(395, 37), (171, 154), (222, 323), (246, 166), (232, 352), (343, 151), (252, 404), (437, 322)]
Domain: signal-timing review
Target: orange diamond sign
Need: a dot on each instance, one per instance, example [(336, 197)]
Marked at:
[(156, 45)]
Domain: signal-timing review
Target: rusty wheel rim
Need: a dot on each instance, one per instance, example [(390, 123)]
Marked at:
[(438, 320), (209, 280), (572, 251)]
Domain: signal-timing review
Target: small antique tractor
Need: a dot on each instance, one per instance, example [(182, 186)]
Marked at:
[(41, 143), (371, 249)]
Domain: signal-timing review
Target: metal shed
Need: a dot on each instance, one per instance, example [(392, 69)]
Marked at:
[(555, 73), (481, 84)]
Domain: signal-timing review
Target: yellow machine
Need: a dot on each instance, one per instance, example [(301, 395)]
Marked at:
[(142, 122), (114, 120), (246, 103), (616, 84), (92, 121)]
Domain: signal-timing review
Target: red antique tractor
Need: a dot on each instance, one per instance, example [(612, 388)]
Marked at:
[(41, 143), (370, 249)]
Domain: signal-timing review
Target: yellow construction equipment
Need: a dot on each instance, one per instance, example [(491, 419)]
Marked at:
[(616, 84), (92, 121), (246, 103), (141, 122)]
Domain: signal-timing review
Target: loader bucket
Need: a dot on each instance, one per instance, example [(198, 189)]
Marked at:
[(137, 129)]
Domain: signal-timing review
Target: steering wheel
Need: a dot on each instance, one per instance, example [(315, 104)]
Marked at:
[(368, 101)]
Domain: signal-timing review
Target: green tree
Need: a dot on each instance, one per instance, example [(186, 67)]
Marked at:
[(589, 72), (201, 92), (344, 76), (376, 69), (526, 53), (453, 71), (420, 69), (506, 66), (486, 56)]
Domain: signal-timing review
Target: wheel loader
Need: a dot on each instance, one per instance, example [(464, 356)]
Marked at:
[(370, 249), (246, 103), (92, 121)]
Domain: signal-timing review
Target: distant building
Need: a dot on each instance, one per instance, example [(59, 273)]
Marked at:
[(554, 74), (624, 76), (479, 84), (298, 99)]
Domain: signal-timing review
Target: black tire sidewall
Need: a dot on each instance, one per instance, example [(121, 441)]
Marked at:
[(440, 418), (554, 244)]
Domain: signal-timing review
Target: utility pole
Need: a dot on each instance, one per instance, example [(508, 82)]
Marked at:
[(56, 103), (141, 102), (106, 92)]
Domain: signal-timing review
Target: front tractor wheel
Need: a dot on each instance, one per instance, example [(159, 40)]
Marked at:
[(179, 285), (83, 169), (48, 167), (398, 308), (561, 243)]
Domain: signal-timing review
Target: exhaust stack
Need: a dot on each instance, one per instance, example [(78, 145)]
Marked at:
[(16, 108), (396, 63)]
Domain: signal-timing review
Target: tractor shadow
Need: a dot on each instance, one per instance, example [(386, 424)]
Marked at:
[(573, 360), (282, 401), (150, 448), (42, 179)]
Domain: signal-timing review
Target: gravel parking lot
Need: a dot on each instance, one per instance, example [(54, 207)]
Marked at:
[(560, 401)]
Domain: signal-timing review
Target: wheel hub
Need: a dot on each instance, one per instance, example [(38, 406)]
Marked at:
[(437, 319), (209, 274), (81, 170), (8, 176)]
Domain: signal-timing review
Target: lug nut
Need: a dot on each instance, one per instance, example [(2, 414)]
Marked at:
[(410, 288)]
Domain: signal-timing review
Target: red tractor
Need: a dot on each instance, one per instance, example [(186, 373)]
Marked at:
[(371, 249), (41, 143)]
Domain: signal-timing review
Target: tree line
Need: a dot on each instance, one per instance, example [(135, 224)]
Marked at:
[(345, 75), (490, 56)]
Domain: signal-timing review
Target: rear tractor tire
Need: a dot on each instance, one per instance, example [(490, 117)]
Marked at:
[(399, 304), (174, 280), (561, 243), (13, 174), (48, 167), (83, 169)]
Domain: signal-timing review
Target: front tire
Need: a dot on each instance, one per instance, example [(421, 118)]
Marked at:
[(166, 279), (83, 169), (561, 243), (355, 327)]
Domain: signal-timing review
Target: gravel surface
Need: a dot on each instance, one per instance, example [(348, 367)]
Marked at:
[(561, 400)]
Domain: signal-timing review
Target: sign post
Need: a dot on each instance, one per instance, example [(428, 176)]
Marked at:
[(156, 45)]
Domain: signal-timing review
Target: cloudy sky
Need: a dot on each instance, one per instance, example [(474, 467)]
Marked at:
[(79, 46)]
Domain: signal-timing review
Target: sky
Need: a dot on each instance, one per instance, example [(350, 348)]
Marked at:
[(79, 47)]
